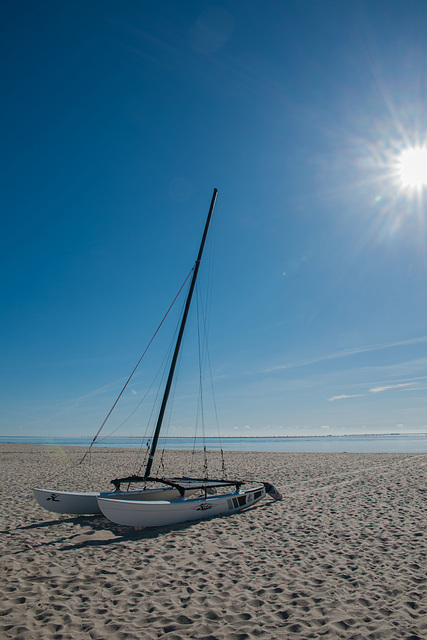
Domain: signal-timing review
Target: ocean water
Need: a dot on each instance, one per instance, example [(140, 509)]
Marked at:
[(391, 443)]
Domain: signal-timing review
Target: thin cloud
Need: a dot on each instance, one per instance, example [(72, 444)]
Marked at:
[(392, 386), (357, 395), (373, 390), (349, 352)]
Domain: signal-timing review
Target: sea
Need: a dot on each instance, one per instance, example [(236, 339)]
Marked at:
[(384, 443)]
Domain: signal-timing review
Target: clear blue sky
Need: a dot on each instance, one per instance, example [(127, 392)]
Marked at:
[(118, 120)]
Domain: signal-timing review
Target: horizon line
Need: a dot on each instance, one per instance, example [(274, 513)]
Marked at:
[(246, 437)]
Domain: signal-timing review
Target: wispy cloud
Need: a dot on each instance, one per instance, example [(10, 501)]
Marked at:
[(372, 390), (349, 352), (357, 395), (391, 386)]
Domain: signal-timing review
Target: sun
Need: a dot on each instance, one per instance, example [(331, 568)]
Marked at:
[(412, 167)]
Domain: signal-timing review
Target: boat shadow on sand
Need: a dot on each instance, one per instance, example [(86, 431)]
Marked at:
[(118, 533)]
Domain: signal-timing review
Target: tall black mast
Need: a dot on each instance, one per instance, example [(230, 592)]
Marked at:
[(179, 340)]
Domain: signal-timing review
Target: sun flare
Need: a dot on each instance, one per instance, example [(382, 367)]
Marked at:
[(412, 167)]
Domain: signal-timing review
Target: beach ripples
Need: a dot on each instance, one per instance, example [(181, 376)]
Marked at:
[(342, 556)]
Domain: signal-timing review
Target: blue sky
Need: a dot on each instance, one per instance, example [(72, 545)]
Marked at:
[(119, 119)]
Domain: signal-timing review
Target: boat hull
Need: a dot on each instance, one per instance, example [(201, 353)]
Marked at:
[(80, 503), (160, 513), (72, 502)]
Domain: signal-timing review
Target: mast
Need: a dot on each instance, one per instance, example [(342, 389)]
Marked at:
[(179, 340)]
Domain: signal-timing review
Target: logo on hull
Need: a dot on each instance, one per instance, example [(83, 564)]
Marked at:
[(204, 506)]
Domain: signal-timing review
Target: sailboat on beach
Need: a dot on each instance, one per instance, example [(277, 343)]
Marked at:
[(173, 500)]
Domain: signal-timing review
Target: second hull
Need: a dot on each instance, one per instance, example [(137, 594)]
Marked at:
[(81, 503), (158, 513)]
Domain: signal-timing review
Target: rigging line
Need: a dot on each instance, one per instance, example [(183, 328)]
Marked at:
[(207, 293), (201, 370), (168, 415), (144, 437), (199, 417), (207, 363), (163, 369), (137, 365), (202, 347), (179, 338), (137, 406), (128, 417)]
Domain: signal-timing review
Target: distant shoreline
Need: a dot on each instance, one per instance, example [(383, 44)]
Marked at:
[(354, 443), (408, 434)]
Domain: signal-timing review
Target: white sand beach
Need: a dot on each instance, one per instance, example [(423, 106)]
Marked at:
[(343, 555)]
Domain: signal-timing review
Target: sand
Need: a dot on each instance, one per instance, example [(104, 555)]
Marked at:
[(343, 555)]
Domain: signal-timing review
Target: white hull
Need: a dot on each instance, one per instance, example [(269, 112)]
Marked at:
[(71, 502), (76, 503), (160, 513)]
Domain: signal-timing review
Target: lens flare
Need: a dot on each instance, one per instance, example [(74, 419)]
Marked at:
[(412, 167)]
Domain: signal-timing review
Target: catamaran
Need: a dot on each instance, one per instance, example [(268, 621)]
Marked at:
[(173, 500)]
